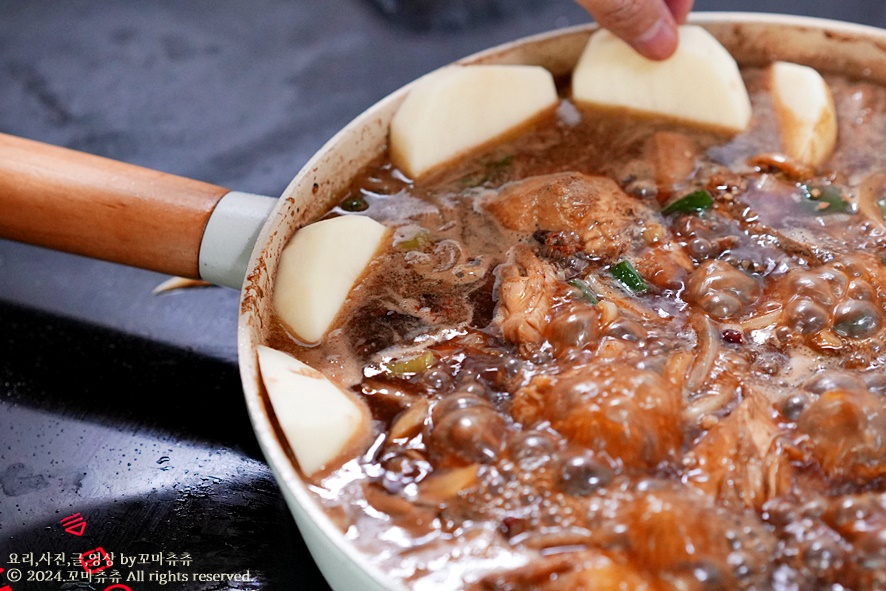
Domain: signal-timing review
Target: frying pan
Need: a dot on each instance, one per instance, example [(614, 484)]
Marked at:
[(101, 208)]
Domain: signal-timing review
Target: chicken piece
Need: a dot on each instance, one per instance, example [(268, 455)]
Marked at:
[(607, 220), (690, 542), (833, 542), (576, 571), (742, 459), (845, 432), (659, 537), (861, 521), (628, 415), (526, 288)]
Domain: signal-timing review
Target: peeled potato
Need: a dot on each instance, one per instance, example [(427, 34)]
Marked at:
[(323, 424), (807, 120), (700, 84), (457, 109), (319, 267)]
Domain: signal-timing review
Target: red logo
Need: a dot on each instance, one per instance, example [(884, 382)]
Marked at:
[(74, 524)]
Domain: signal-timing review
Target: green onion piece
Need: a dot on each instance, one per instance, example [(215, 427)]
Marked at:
[(700, 200), (410, 365), (625, 273), (825, 198), (421, 239), (502, 163), (354, 203), (584, 290), (493, 171), (882, 204)]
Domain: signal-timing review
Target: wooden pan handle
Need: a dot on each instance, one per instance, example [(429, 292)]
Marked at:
[(101, 208)]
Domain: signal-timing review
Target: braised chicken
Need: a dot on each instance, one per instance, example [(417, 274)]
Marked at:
[(618, 353), (605, 218)]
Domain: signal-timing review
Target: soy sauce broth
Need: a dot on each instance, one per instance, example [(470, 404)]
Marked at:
[(542, 424)]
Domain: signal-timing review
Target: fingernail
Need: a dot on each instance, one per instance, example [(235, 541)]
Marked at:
[(659, 41)]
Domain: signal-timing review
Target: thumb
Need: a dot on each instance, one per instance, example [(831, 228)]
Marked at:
[(647, 25)]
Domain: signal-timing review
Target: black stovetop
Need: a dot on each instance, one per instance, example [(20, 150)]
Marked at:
[(122, 426)]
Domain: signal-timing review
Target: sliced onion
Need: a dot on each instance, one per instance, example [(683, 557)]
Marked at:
[(708, 405), (708, 348), (411, 421), (618, 297), (678, 367), (555, 538), (761, 322), (442, 486)]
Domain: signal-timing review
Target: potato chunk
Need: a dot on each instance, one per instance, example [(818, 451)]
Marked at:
[(807, 120), (323, 424), (460, 108), (628, 415), (319, 267), (699, 84)]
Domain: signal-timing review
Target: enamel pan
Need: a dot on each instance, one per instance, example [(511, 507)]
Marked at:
[(88, 205)]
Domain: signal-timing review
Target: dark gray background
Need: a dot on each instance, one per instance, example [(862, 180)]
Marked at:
[(123, 405)]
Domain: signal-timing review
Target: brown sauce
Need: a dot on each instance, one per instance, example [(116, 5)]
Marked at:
[(544, 422)]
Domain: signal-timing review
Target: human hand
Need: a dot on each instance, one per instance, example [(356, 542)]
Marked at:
[(649, 26)]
